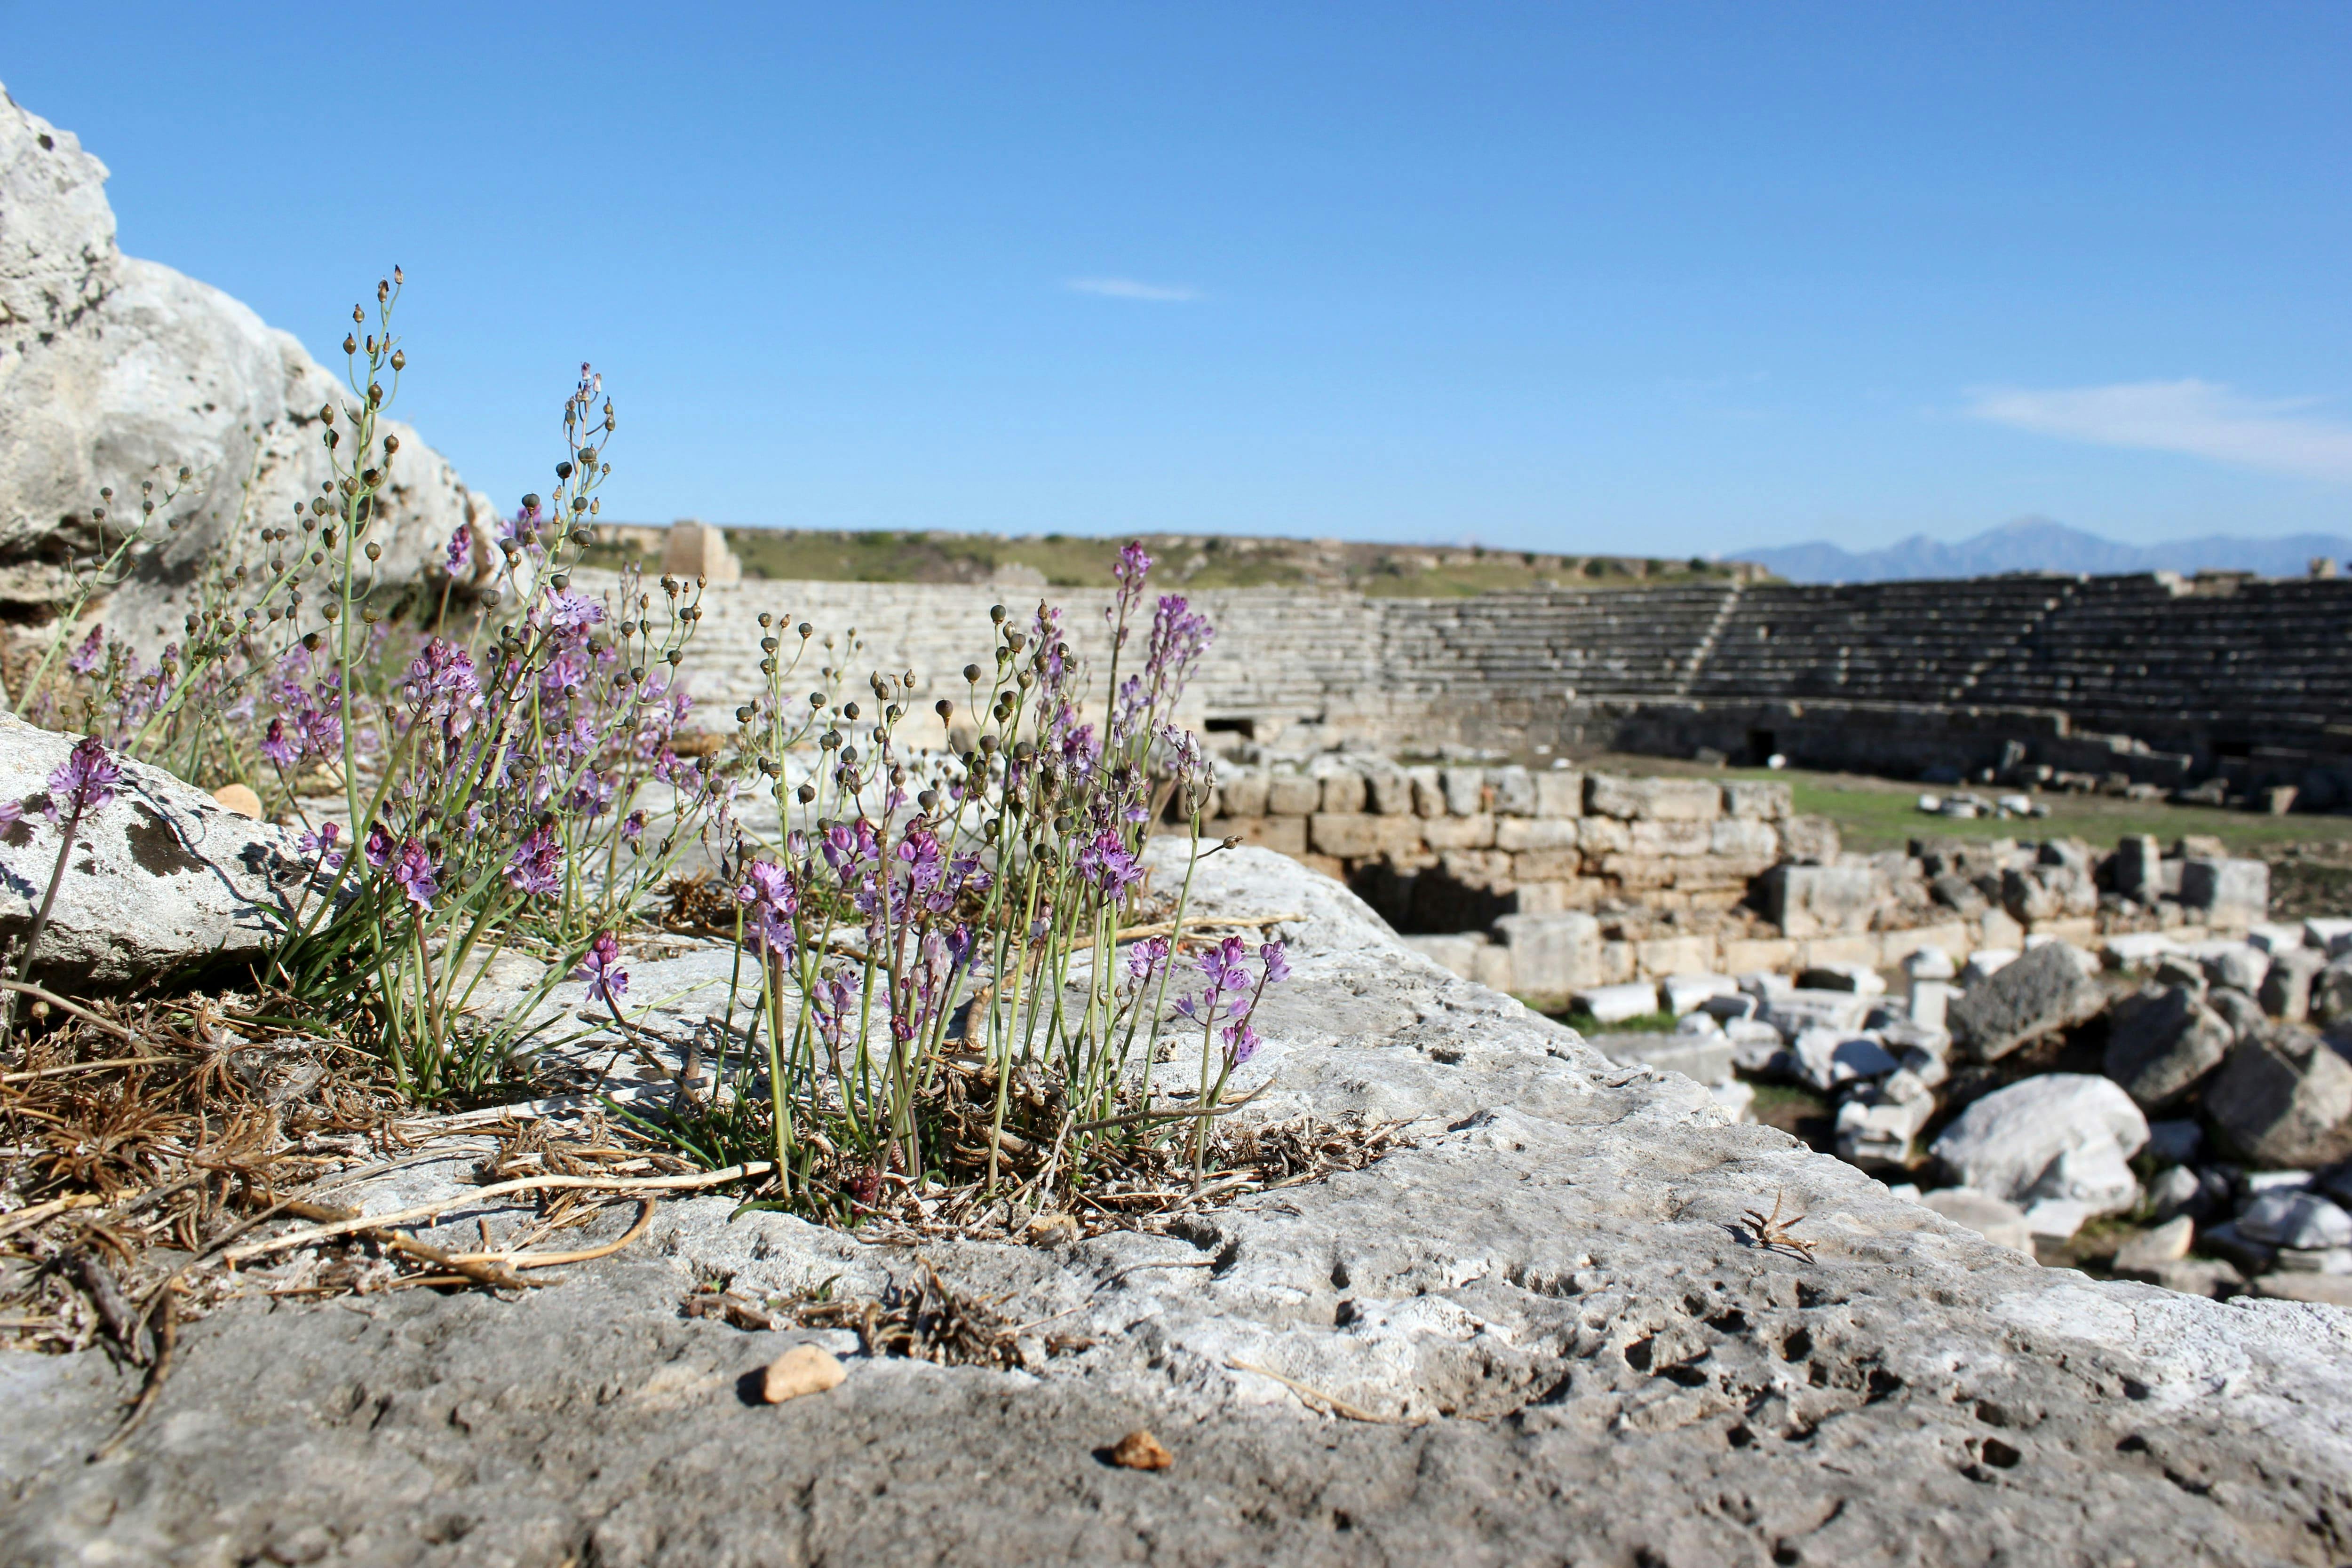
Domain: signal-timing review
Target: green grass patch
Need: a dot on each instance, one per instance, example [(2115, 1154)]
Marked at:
[(1583, 1022)]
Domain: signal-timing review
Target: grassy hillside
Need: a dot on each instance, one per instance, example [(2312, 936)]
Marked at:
[(1197, 561)]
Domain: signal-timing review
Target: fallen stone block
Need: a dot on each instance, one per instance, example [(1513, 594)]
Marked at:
[(1793, 1011), (2326, 1289), (2299, 1220), (2329, 934), (2046, 990), (1826, 1058), (2282, 1098), (1689, 993), (2238, 964), (2331, 992), (2008, 1142), (1880, 1133), (2161, 1042), (2286, 986), (1615, 1004), (2230, 891), (1554, 955), (2139, 952)]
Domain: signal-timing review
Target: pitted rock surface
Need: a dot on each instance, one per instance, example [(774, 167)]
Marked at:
[(1577, 1351), (162, 878)]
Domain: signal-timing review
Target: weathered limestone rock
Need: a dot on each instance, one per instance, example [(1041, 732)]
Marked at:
[(1822, 900), (1553, 954), (2230, 892), (162, 878), (2030, 1141), (2161, 1042), (2286, 987), (2284, 1101), (1998, 1220), (2043, 992), (1652, 800), (2299, 1220), (1576, 1343), (113, 370)]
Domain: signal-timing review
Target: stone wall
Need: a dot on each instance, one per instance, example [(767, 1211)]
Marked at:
[(2154, 677)]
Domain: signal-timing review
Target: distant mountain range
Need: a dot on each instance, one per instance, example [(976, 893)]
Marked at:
[(2037, 544)]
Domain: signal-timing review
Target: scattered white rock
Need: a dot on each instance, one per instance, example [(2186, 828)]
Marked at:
[(1999, 1221), (2008, 1142), (1615, 1004), (2299, 1220), (2150, 1251), (1687, 994), (1826, 1058)]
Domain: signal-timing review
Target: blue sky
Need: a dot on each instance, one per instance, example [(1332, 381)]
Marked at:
[(1655, 278)]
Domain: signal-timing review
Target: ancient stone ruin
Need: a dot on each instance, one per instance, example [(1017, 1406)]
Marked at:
[(1461, 1282)]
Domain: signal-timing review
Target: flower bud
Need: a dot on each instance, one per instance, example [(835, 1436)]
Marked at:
[(807, 792), (806, 630), (943, 708), (392, 443), (563, 469), (399, 360), (351, 344), (531, 502)]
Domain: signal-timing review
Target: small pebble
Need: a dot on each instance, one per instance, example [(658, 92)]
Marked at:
[(803, 1369), (240, 799), (1139, 1450)]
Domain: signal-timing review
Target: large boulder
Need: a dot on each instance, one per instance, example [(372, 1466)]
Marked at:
[(2048, 989), (2284, 1101), (114, 371), (2161, 1040), (161, 878), (2062, 1137)]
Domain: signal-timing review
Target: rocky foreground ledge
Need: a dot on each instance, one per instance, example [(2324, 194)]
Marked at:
[(1556, 1339)]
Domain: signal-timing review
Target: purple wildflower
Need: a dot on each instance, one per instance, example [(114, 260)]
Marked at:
[(275, 745), (601, 969), (86, 780), (11, 813), (1241, 1042), (461, 549), (1109, 864), (378, 848), (1145, 959), (633, 828), (572, 612), (1227, 967), (537, 863), (770, 902), (84, 659), (1275, 962), (413, 869), (320, 845)]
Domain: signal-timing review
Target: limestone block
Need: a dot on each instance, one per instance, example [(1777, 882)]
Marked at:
[(1551, 955), (1810, 839), (1745, 838), (2138, 863), (1860, 951), (2047, 989), (2062, 1136), (1818, 900), (1617, 966), (1243, 793), (1931, 1003), (1428, 792), (1948, 938), (2076, 931), (696, 550), (1360, 835), (1325, 865), (1343, 793), (1283, 835), (1466, 790), (1516, 833), (1672, 838), (1472, 833), (2286, 987), (1603, 835), (1688, 992), (2161, 1042), (2329, 936), (1794, 1011), (1560, 792), (1652, 800), (1292, 795), (1514, 792), (1618, 1001), (1458, 954), (1634, 871), (2231, 892), (2282, 1100), (1999, 932), (1477, 868), (2000, 1222), (1769, 955), (1494, 969), (2238, 964), (1387, 791), (1546, 865), (1757, 800), (1662, 955)]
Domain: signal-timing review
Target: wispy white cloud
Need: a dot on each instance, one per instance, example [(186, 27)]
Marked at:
[(2202, 419), (1129, 288)]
